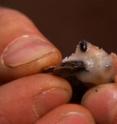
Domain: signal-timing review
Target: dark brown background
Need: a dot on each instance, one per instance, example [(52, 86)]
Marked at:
[(65, 22)]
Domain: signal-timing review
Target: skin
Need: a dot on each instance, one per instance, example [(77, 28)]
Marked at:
[(33, 97), (30, 97)]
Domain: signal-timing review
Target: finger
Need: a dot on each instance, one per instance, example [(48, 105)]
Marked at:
[(102, 102), (23, 49), (67, 114), (25, 100)]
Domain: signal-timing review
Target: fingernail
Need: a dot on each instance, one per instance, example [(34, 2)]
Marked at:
[(3, 120), (25, 49), (49, 99), (75, 118)]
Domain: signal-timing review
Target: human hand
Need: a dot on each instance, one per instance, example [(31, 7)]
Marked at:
[(39, 98), (102, 103)]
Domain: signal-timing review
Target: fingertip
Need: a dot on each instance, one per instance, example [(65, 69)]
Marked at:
[(32, 97), (101, 101), (68, 114), (23, 49)]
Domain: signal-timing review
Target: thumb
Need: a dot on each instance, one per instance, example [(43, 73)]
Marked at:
[(23, 49)]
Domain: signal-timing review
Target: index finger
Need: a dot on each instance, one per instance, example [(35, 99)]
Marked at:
[(23, 49)]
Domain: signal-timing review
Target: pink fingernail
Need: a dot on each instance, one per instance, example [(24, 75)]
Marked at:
[(25, 49), (75, 118), (49, 99)]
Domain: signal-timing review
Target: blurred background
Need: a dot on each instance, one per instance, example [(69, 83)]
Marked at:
[(66, 22)]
